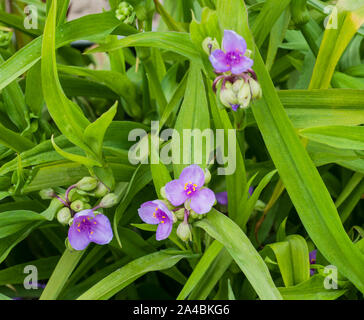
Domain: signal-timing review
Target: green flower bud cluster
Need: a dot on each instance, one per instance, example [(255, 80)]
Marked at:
[(5, 37), (238, 94), (125, 13), (79, 197)]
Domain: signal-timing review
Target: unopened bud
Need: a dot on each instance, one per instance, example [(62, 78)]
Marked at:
[(175, 219), (244, 95), (77, 205), (227, 95), (109, 200), (125, 13), (101, 190), (260, 205), (5, 37), (180, 214), (47, 194), (207, 176), (194, 215), (64, 216), (163, 192), (209, 45), (87, 184), (184, 231), (256, 89)]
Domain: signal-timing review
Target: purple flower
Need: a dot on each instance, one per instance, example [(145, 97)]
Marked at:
[(222, 197), (312, 256), (232, 58), (189, 187), (156, 212), (88, 227)]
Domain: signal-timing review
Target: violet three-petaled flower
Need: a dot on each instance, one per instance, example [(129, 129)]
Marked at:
[(88, 227), (312, 255), (156, 212), (189, 186), (232, 58)]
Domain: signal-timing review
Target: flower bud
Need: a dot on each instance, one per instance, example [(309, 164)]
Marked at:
[(184, 231), (207, 176), (194, 215), (101, 190), (5, 37), (125, 13), (260, 205), (175, 219), (255, 89), (188, 204), (180, 214), (248, 53), (163, 192), (77, 205), (227, 95), (244, 95), (87, 184), (47, 194), (209, 45), (64, 216), (109, 200)]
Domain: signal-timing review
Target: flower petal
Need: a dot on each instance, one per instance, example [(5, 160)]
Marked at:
[(84, 213), (77, 240), (101, 231), (175, 192), (243, 66), (233, 42), (164, 230), (218, 61), (202, 201), (146, 211), (222, 198), (192, 174)]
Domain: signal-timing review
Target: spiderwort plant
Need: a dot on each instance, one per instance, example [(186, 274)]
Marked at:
[(238, 81)]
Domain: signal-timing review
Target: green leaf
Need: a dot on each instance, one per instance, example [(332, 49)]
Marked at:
[(174, 41), (242, 251), (61, 273), (311, 289), (90, 27), (95, 132), (193, 117), (346, 19), (342, 137), (201, 268), (124, 276), (13, 221), (88, 162)]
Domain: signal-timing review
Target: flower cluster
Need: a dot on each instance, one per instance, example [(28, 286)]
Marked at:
[(239, 83), (125, 13), (86, 223), (185, 197)]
